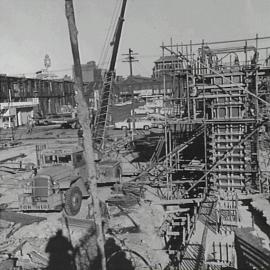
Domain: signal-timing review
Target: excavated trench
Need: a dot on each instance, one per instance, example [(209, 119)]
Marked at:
[(258, 218), (249, 248)]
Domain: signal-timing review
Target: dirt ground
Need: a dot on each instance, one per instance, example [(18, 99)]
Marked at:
[(134, 228)]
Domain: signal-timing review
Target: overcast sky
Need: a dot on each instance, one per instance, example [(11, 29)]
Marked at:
[(31, 28)]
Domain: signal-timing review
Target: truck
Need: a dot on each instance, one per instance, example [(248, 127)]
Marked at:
[(61, 182), (65, 120), (139, 123)]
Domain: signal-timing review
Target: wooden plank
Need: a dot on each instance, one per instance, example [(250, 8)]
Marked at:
[(24, 219), (181, 210), (173, 233), (13, 158), (229, 223), (180, 201), (176, 223)]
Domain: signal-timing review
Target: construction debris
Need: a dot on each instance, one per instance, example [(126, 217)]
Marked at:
[(161, 173)]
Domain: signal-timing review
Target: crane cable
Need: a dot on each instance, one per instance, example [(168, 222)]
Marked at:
[(112, 32), (109, 35)]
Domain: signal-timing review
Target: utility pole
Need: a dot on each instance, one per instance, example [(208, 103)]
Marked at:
[(84, 120), (130, 59)]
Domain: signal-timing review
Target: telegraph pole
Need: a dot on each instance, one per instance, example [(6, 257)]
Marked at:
[(130, 59)]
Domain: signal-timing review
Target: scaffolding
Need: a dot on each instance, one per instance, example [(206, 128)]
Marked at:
[(219, 103), (211, 143)]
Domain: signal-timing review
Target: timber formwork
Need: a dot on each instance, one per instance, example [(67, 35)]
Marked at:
[(229, 123), (211, 144), (227, 98)]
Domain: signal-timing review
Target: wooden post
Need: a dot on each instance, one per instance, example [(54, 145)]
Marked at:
[(84, 120), (196, 207), (220, 252), (188, 224), (227, 252), (184, 236), (214, 251)]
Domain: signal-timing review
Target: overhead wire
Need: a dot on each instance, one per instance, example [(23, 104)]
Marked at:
[(107, 35), (103, 63), (107, 57), (110, 34)]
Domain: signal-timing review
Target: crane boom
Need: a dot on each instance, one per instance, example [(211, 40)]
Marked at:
[(117, 36), (101, 119)]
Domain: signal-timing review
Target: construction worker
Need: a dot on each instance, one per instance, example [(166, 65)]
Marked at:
[(29, 124)]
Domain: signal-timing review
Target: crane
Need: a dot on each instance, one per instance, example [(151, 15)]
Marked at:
[(101, 119)]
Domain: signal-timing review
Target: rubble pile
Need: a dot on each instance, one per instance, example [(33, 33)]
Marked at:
[(137, 226)]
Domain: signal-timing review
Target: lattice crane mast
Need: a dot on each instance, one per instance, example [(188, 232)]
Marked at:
[(101, 119)]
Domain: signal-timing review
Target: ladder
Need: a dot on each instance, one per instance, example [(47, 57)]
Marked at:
[(159, 147), (162, 160), (102, 116), (178, 149)]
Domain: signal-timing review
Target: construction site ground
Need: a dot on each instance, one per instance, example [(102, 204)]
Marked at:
[(135, 225), (26, 235)]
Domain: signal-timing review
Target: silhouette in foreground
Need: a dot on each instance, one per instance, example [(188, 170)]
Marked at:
[(61, 253), (116, 258)]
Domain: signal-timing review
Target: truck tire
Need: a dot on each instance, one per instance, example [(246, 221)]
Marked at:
[(146, 127), (73, 201)]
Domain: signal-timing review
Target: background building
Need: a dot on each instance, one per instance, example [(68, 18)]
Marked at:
[(49, 95), (139, 87), (91, 72)]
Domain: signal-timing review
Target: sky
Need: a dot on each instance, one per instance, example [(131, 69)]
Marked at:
[(32, 28)]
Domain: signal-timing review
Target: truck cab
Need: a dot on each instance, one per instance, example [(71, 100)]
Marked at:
[(71, 158), (61, 180)]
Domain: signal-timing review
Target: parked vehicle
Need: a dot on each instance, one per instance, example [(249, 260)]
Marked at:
[(123, 103), (39, 121), (66, 120), (62, 181), (139, 123), (157, 120), (143, 110)]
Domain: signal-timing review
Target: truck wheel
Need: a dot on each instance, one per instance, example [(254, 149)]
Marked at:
[(146, 127), (124, 128), (73, 201)]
